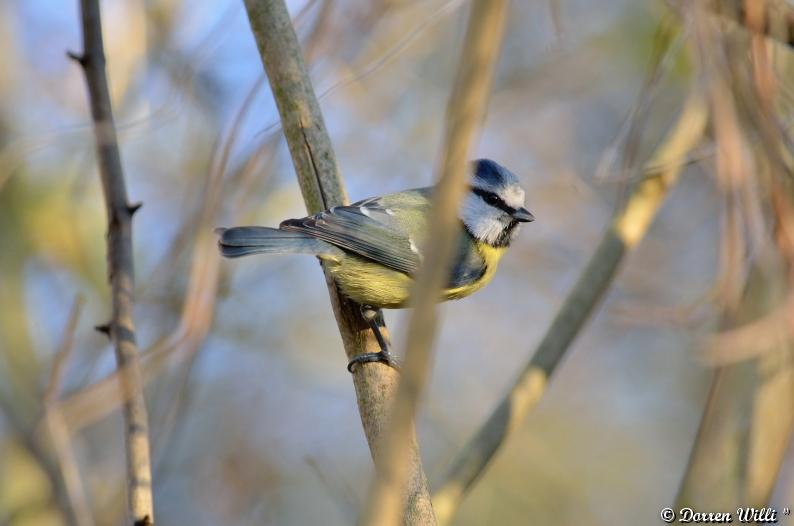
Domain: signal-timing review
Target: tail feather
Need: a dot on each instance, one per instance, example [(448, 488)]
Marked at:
[(245, 240)]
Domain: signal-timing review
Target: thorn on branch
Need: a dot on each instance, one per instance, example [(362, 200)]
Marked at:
[(145, 521), (80, 58), (134, 207), (103, 328)]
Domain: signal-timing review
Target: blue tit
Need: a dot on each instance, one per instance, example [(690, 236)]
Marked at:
[(372, 248)]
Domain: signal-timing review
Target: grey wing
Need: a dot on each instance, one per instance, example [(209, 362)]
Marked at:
[(367, 228), (469, 265)]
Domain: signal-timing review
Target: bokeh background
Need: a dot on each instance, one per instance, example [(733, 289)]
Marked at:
[(253, 414)]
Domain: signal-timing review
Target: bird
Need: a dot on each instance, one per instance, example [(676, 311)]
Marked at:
[(373, 247)]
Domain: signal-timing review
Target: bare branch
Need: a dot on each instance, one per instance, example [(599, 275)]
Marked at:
[(62, 355), (771, 18), (120, 266), (465, 112), (322, 187), (746, 426), (628, 227), (59, 433)]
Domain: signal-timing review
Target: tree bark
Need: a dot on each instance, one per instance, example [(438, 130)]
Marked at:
[(322, 188), (121, 328), (465, 112)]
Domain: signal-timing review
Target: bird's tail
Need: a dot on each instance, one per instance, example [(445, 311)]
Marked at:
[(245, 240)]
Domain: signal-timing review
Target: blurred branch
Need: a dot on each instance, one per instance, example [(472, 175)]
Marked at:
[(747, 423), (62, 355), (34, 444), (121, 327), (35, 441), (335, 484), (73, 487), (775, 20), (394, 51), (101, 398), (556, 14), (619, 160), (322, 188), (465, 112), (628, 227), (771, 18), (205, 279)]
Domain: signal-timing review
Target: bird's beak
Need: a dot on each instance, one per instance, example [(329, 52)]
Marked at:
[(523, 215)]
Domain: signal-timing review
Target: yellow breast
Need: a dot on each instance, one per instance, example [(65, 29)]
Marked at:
[(491, 255), (370, 283)]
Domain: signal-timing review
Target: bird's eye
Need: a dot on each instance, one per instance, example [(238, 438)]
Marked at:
[(492, 199)]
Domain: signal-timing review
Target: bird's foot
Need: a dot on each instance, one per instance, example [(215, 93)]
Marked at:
[(381, 356), (370, 315)]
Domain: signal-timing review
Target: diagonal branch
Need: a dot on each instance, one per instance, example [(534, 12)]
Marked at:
[(322, 187), (628, 227), (773, 19), (79, 511), (465, 112), (121, 328)]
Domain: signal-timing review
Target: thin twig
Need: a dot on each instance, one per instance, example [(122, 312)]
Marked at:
[(382, 59), (99, 399), (35, 445), (58, 431), (465, 112), (121, 327), (16, 411), (628, 227), (322, 188), (62, 355), (203, 283)]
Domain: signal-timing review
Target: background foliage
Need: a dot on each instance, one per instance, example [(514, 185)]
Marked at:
[(252, 412)]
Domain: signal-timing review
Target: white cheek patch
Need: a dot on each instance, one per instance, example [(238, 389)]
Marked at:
[(481, 220), (513, 196)]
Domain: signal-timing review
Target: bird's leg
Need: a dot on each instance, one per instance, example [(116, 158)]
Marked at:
[(370, 315)]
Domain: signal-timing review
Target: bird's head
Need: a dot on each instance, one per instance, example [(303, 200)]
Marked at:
[(494, 205)]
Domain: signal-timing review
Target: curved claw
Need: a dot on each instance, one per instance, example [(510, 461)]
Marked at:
[(382, 357)]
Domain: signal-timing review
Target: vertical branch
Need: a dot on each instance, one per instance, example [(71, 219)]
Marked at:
[(628, 227), (322, 187), (746, 426), (121, 328), (465, 113)]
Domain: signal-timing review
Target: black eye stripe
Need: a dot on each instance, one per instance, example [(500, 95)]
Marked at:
[(493, 199)]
